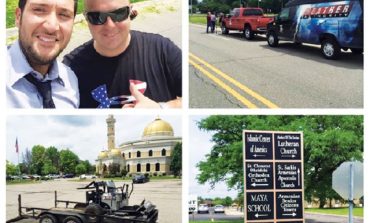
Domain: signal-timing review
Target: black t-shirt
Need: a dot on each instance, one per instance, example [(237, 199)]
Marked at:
[(150, 58)]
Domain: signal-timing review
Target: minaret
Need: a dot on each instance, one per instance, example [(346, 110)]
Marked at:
[(110, 133)]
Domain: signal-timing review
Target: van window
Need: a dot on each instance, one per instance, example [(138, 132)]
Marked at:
[(284, 14), (249, 12)]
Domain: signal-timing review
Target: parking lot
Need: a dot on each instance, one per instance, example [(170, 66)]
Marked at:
[(165, 194)]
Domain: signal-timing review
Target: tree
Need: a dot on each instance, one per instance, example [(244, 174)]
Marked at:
[(27, 161), (328, 141), (89, 168), (48, 167), (80, 169), (176, 164), (68, 161), (52, 154), (38, 154), (228, 201), (114, 169), (11, 169)]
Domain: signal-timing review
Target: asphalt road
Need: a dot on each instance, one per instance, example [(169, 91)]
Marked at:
[(290, 76), (166, 195)]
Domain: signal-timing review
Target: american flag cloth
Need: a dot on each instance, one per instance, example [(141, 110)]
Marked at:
[(140, 85), (16, 145), (100, 94)]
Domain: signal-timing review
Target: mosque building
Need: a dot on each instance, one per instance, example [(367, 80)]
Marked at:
[(151, 154)]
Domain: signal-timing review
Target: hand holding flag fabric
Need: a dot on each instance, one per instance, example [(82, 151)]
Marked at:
[(141, 100)]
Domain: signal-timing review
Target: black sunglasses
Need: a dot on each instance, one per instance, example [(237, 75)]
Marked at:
[(99, 18)]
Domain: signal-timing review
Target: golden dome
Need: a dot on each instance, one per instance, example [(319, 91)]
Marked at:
[(158, 128), (115, 152), (103, 154)]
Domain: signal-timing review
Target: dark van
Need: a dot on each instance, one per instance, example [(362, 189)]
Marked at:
[(333, 24)]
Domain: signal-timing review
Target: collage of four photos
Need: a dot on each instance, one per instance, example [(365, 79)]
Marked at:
[(145, 111)]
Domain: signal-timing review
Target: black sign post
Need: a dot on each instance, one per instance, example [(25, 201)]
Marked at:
[(273, 182)]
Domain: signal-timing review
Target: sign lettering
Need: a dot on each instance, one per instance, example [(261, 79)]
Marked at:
[(273, 171)]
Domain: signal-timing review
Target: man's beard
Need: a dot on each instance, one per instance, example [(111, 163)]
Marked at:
[(34, 58)]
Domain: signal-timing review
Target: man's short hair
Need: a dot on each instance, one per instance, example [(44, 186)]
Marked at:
[(22, 4)]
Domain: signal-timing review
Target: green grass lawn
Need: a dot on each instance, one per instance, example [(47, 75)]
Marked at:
[(14, 182), (231, 221), (358, 212), (198, 19), (158, 178)]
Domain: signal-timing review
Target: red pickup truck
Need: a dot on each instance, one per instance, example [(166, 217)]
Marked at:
[(248, 20)]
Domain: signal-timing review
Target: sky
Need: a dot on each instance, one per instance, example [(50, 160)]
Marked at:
[(85, 135), (199, 145)]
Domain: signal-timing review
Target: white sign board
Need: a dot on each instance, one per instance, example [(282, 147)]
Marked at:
[(341, 179)]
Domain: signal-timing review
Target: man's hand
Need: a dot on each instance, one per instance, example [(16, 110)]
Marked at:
[(141, 100)]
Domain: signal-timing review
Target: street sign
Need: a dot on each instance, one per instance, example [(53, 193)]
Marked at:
[(273, 176), (341, 177), (259, 175), (259, 146)]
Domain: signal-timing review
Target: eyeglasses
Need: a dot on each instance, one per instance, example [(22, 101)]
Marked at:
[(99, 18)]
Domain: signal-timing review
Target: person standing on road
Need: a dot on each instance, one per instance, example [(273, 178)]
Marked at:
[(35, 79), (209, 25), (220, 20), (120, 65), (213, 22)]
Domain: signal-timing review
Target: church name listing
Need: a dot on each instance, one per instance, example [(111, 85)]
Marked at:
[(273, 170)]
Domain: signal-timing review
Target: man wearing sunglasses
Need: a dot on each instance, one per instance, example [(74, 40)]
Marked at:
[(122, 67), (34, 78)]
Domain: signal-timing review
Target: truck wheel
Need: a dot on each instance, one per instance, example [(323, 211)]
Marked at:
[(272, 39), (48, 218), (330, 49), (248, 33), (93, 211), (224, 29), (72, 219), (357, 51)]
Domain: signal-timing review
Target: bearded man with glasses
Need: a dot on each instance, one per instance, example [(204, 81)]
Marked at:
[(122, 67)]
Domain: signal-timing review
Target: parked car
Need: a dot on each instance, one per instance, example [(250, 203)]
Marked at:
[(250, 21), (25, 177), (334, 25), (219, 209), (68, 175), (203, 208), (140, 178), (87, 176), (35, 177)]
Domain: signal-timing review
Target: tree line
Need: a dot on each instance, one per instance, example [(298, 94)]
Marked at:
[(43, 161), (224, 6), (328, 142)]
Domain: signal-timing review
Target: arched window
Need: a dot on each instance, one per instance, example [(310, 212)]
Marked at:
[(138, 168), (148, 167), (157, 167), (138, 154), (123, 155), (129, 155), (128, 167), (150, 152), (163, 152)]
